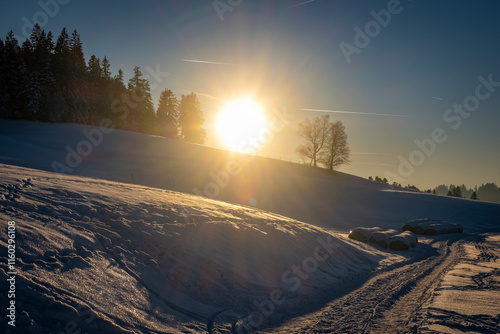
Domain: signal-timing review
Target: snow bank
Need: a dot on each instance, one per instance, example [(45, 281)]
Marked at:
[(432, 227)]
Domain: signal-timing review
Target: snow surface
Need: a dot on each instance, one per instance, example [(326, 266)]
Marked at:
[(129, 250), (152, 259), (469, 294)]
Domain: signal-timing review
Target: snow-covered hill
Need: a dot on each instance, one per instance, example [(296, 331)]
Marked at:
[(119, 245), (114, 257), (338, 202)]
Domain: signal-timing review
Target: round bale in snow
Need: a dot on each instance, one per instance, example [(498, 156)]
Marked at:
[(431, 227), (363, 233), (403, 241), (382, 238)]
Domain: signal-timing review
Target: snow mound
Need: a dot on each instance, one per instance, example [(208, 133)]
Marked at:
[(432, 227)]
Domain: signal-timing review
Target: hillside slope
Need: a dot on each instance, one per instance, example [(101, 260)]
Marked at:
[(338, 202), (110, 257)]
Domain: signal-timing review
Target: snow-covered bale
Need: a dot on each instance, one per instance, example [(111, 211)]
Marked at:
[(432, 227), (363, 233), (382, 238), (403, 241)]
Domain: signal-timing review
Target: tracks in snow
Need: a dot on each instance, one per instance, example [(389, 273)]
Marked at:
[(387, 303)]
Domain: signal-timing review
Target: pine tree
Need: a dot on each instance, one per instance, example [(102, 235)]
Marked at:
[(62, 75), (15, 79), (191, 119), (78, 97), (3, 87), (61, 58), (106, 73), (168, 114), (94, 68), (457, 192), (96, 95), (142, 116), (41, 86), (77, 58), (474, 196), (118, 114)]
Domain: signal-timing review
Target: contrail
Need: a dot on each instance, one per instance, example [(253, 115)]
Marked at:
[(437, 98), (374, 163), (207, 95), (300, 4), (204, 62), (370, 153), (354, 112)]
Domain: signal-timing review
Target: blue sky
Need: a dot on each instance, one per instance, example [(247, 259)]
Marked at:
[(425, 60)]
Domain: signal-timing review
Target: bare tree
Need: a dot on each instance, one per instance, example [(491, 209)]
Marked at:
[(335, 152), (315, 134)]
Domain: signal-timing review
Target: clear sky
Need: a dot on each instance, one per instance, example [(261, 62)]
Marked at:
[(415, 65)]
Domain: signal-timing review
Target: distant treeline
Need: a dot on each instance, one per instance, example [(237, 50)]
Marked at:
[(489, 192), (43, 80)]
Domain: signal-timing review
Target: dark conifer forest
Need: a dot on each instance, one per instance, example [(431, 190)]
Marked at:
[(47, 79)]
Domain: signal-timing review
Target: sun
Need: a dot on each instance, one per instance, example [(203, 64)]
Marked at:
[(239, 124)]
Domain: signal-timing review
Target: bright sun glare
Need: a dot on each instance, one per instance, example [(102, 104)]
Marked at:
[(239, 121)]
